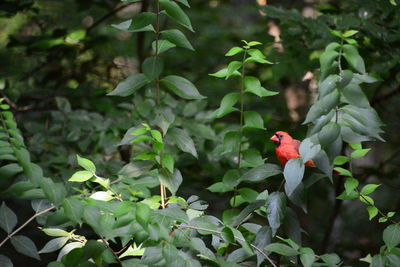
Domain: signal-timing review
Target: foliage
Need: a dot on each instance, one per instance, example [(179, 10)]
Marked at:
[(127, 155)]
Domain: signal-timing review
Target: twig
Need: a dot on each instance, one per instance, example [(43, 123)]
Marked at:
[(23, 225), (112, 251), (237, 238)]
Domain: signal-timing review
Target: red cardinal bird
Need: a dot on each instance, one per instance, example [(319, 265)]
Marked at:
[(287, 148)]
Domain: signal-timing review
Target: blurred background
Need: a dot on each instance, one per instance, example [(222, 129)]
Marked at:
[(59, 59)]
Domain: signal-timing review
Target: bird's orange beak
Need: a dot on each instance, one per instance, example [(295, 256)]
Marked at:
[(274, 138)]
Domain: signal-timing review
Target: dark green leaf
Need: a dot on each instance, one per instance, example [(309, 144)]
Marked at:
[(253, 120), (8, 219), (307, 257), (25, 246), (281, 249), (227, 105), (171, 181), (163, 46), (142, 22), (247, 211), (276, 206), (73, 209), (143, 213), (130, 85), (328, 134), (227, 235), (260, 173), (5, 261), (176, 13), (178, 38), (181, 87), (153, 67), (183, 141)]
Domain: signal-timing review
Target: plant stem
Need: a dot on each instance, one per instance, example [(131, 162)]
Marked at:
[(379, 211), (237, 238), (241, 123), (25, 224)]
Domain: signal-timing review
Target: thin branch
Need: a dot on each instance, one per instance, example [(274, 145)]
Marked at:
[(26, 223), (107, 16), (237, 238), (112, 251)]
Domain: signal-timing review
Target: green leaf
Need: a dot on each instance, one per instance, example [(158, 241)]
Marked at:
[(143, 213), (293, 173), (260, 173), (54, 244), (227, 105), (55, 192), (102, 195), (174, 213), (25, 246), (251, 158), (219, 187), (171, 181), (6, 262), (351, 55), (167, 161), (176, 13), (308, 150), (331, 259), (281, 249), (224, 72), (253, 85), (353, 94), (55, 232), (366, 199), (130, 85), (349, 33), (328, 134), (183, 141), (350, 185), (10, 170), (73, 209), (254, 205), (342, 171), (391, 214), (340, 160), (307, 257), (163, 46), (344, 196), (8, 219), (233, 51), (142, 22), (156, 135), (382, 220), (369, 188), (232, 67), (227, 235), (181, 87), (257, 56), (359, 153), (326, 59), (178, 38), (253, 120), (391, 236), (372, 212), (153, 67), (276, 207), (81, 176), (86, 164)]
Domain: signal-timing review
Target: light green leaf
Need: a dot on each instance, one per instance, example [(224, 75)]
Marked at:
[(340, 160), (86, 164), (253, 86), (369, 188), (55, 232), (307, 257), (81, 176), (181, 87), (130, 85), (232, 67), (224, 72), (350, 185), (359, 153), (372, 212), (178, 38), (233, 51), (167, 161), (342, 171), (102, 195)]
